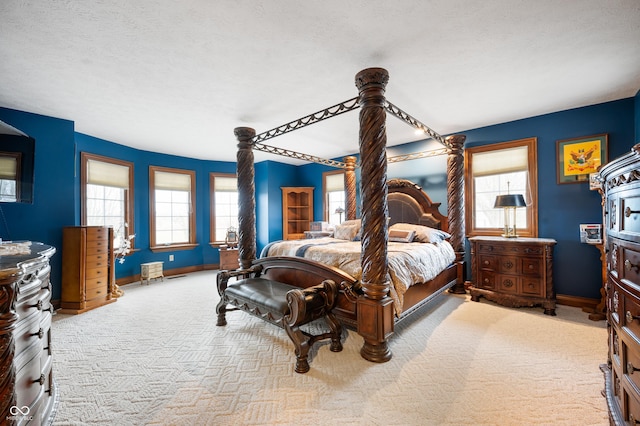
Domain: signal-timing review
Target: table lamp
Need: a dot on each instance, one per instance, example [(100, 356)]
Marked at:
[(509, 203)]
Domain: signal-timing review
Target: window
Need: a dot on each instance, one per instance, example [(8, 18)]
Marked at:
[(172, 208), (224, 205), (497, 169), (9, 173), (334, 196), (107, 194)]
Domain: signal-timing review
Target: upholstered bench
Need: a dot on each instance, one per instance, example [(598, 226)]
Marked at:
[(284, 305)]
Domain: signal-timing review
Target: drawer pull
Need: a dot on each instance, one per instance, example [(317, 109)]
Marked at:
[(628, 212), (40, 334), (631, 368), (38, 305), (628, 265), (40, 380), (486, 262), (633, 420), (630, 317)]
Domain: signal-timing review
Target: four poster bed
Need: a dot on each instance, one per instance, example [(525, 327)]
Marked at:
[(370, 299)]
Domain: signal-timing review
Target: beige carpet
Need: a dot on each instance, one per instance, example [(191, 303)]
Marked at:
[(156, 358)]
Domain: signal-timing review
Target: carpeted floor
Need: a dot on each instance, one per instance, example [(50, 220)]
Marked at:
[(155, 357)]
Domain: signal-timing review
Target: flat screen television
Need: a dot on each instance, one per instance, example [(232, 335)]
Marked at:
[(17, 151)]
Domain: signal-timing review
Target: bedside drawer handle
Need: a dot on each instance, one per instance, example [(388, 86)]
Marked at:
[(630, 317), (628, 212), (40, 334), (628, 265)]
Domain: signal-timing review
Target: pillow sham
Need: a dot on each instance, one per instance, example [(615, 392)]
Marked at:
[(345, 232), (401, 235), (423, 234)]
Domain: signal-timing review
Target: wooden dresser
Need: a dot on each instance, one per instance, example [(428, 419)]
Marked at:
[(28, 393), (297, 212), (513, 271), (88, 270), (621, 188)]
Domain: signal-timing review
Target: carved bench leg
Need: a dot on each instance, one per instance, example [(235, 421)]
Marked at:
[(221, 309), (336, 332), (301, 343)]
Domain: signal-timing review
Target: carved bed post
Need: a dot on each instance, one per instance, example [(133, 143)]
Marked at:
[(455, 201), (375, 308), (246, 197), (350, 187)]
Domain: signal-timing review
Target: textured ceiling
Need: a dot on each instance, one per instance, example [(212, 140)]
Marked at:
[(178, 76)]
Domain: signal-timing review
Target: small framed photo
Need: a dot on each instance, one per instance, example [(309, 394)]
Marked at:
[(577, 158), (591, 233)]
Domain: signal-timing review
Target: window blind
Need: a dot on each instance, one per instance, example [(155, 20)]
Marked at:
[(334, 182), (225, 184), (8, 168), (172, 181), (500, 161), (107, 174)]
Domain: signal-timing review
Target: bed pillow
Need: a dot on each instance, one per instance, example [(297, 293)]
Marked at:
[(423, 234), (401, 235), (357, 223), (345, 232)]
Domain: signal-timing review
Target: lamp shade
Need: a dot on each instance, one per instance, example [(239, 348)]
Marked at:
[(509, 200), (339, 210)]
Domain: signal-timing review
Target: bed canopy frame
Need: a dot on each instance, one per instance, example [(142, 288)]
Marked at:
[(375, 306)]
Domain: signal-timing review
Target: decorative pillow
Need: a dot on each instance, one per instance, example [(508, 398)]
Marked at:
[(401, 235), (345, 232), (423, 234), (358, 224)]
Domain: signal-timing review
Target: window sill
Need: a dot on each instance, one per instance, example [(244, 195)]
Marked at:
[(173, 247)]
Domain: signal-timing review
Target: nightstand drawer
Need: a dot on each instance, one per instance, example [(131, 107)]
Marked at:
[(488, 262), (532, 267), (532, 287), (487, 280), (507, 284)]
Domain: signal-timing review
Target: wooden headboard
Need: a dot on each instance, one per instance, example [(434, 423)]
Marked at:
[(408, 203)]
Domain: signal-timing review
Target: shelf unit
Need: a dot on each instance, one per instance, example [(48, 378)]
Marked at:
[(297, 212)]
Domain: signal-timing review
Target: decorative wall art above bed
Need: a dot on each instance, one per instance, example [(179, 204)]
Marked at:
[(370, 299)]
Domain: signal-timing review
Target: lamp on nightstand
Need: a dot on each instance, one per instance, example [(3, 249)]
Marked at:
[(339, 212), (509, 203)]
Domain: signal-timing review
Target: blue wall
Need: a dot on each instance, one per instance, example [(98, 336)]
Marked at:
[(561, 207), (637, 116), (57, 194)]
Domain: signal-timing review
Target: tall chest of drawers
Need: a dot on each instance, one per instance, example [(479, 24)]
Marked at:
[(621, 190), (88, 270), (28, 395)]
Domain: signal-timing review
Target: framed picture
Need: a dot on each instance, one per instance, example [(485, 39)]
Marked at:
[(579, 157)]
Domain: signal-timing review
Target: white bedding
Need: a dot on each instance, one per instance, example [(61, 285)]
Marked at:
[(409, 263)]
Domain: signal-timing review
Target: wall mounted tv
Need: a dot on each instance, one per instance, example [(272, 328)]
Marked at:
[(16, 165)]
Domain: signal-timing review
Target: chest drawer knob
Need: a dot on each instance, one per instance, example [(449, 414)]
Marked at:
[(40, 333), (628, 212), (633, 420), (628, 265), (631, 368), (630, 317)]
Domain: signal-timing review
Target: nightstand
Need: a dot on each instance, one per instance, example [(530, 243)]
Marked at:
[(513, 272), (150, 270), (229, 259)]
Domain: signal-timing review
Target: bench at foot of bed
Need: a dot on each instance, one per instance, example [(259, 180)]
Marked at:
[(284, 305)]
